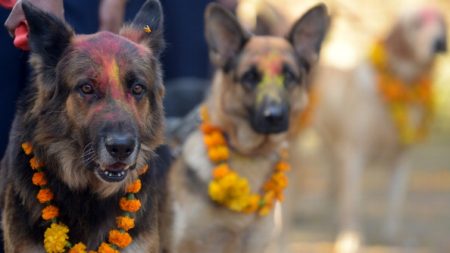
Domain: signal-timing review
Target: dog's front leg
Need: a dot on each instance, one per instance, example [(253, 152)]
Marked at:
[(259, 235), (396, 195), (351, 163)]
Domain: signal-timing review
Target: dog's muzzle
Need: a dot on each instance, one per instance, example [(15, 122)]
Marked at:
[(271, 118)]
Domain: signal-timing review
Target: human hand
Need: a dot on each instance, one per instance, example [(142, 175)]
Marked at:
[(16, 17), (112, 14)]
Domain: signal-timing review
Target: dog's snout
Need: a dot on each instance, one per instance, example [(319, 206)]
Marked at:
[(271, 117), (120, 146), (273, 114), (440, 45)]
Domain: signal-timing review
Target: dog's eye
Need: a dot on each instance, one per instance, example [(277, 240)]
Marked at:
[(289, 76), (137, 89), (251, 78), (87, 88)]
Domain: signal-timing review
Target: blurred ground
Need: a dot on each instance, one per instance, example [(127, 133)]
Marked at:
[(426, 221)]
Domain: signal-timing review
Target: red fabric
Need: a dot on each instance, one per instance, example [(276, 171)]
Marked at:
[(8, 4)]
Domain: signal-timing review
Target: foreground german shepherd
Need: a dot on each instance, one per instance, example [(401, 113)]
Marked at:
[(94, 116), (258, 90)]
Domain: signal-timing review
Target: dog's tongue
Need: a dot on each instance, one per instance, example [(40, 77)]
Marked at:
[(116, 167)]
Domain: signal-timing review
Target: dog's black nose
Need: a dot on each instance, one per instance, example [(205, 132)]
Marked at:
[(271, 118), (440, 45), (273, 114), (120, 146)]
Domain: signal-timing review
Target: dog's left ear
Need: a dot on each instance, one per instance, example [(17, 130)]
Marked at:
[(308, 32), (48, 37), (147, 27)]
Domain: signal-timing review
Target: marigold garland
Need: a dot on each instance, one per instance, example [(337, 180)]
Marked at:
[(231, 190), (400, 96), (56, 238)]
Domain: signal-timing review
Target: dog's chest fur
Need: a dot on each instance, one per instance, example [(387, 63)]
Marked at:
[(191, 205)]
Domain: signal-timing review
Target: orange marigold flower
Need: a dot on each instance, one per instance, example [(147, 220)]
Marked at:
[(134, 187), (44, 195), (106, 248), (214, 139), (120, 239), (35, 163), (39, 179), (221, 171), (27, 148), (207, 128), (282, 166), (78, 248), (143, 170), (130, 205), (125, 223), (50, 212)]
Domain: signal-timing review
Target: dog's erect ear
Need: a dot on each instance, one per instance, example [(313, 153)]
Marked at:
[(224, 35), (147, 27), (308, 33), (48, 36)]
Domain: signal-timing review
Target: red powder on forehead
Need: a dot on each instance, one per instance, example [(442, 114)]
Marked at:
[(271, 64), (429, 15)]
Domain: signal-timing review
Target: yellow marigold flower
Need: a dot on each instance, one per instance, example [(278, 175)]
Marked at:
[(119, 239), (39, 179), (50, 212), (106, 248), (35, 163), (134, 187), (216, 192), (55, 238), (130, 205), (265, 210), (221, 171), (125, 223), (78, 248), (143, 170), (44, 195), (27, 148), (219, 153), (253, 203)]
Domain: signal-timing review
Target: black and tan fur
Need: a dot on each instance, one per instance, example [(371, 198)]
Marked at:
[(256, 117), (84, 90)]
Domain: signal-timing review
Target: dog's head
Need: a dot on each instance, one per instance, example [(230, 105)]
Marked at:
[(98, 99), (419, 35), (263, 78)]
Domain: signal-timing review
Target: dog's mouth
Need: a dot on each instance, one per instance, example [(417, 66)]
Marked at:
[(116, 172)]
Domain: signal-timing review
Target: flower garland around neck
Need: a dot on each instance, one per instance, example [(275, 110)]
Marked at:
[(56, 238), (400, 97), (227, 187)]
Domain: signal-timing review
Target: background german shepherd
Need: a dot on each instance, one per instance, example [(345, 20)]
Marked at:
[(94, 115), (258, 92)]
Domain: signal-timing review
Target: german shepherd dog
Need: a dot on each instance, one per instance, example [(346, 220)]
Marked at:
[(255, 114), (94, 116)]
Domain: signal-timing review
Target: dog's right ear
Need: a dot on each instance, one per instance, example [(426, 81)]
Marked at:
[(224, 35), (308, 33), (48, 36), (147, 27)]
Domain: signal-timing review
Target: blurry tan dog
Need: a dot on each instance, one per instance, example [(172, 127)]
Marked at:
[(374, 112), (258, 89)]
